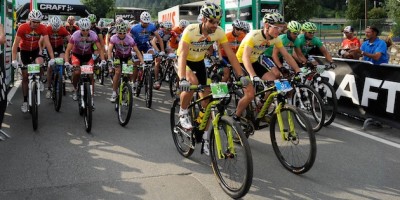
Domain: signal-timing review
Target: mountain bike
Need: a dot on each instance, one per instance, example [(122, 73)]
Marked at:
[(145, 78), (230, 153), (85, 98), (124, 102), (34, 92), (57, 84)]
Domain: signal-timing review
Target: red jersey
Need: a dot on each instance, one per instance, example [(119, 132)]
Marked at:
[(29, 37), (351, 44), (233, 41), (71, 29), (57, 38), (173, 43)]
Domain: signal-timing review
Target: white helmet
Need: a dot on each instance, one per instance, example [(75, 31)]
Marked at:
[(84, 24), (167, 24), (200, 18), (55, 22), (238, 24), (246, 27), (145, 17), (183, 23), (35, 15)]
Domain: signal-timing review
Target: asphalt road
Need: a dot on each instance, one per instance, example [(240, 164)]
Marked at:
[(139, 161)]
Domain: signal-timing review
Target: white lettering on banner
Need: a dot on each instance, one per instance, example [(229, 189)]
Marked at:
[(367, 94), (244, 14), (352, 94), (58, 7), (392, 88), (231, 16), (269, 10)]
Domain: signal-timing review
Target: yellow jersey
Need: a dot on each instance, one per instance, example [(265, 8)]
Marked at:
[(198, 43), (257, 40)]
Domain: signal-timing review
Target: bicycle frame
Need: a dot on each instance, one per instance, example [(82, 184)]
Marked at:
[(32, 78)]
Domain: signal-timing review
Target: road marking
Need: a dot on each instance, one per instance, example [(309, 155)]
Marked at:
[(378, 139), (12, 91)]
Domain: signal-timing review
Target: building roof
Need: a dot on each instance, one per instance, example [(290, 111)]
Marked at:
[(200, 3)]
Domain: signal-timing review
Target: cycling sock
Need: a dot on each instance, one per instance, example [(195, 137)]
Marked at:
[(25, 98)]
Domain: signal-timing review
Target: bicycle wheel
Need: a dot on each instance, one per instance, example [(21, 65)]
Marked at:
[(328, 96), (102, 75), (57, 91), (235, 171), (295, 147), (183, 140), (148, 88), (80, 106), (140, 83), (173, 85), (88, 107), (125, 104), (34, 106), (309, 101)]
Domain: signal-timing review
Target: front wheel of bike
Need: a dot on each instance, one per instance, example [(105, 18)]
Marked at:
[(294, 146), (183, 139), (328, 96), (88, 107), (34, 106), (57, 91), (125, 102), (148, 88), (235, 170)]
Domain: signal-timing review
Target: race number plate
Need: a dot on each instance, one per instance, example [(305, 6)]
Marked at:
[(127, 69), (33, 68), (219, 90), (148, 57), (59, 61), (283, 86), (86, 69)]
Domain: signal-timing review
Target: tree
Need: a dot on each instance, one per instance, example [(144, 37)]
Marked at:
[(355, 10), (393, 7), (300, 10), (101, 8)]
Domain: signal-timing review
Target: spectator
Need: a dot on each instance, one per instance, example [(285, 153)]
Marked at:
[(350, 42), (373, 49), (3, 94)]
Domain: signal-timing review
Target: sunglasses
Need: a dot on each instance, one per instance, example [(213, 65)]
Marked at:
[(346, 32), (296, 33), (213, 21), (239, 29), (121, 33), (84, 30), (276, 27), (311, 33)]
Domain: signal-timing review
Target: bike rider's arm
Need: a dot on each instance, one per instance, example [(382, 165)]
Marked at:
[(68, 51), (138, 54), (275, 57), (101, 50), (232, 59), (327, 55), (15, 47), (41, 45), (48, 46), (300, 55), (160, 41), (184, 48), (289, 59), (109, 50), (154, 44)]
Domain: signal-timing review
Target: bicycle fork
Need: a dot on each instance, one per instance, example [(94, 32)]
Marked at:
[(30, 91), (284, 132), (231, 149)]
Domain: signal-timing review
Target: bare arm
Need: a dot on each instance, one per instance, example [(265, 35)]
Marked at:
[(109, 50), (184, 47), (2, 34), (101, 50), (159, 40), (275, 57), (246, 61), (300, 55), (154, 44), (289, 59), (48, 46), (327, 55), (15, 47), (67, 52), (138, 54), (232, 59)]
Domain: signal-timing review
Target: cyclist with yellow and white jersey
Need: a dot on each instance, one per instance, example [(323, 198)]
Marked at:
[(196, 40)]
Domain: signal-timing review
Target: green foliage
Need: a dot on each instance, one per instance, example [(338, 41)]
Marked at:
[(355, 10), (393, 7), (300, 10), (98, 7), (377, 13)]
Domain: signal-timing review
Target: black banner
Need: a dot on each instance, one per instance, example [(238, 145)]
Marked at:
[(269, 8), (246, 14), (366, 90), (132, 15), (230, 15), (53, 9)]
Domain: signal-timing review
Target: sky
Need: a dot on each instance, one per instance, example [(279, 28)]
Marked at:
[(74, 2)]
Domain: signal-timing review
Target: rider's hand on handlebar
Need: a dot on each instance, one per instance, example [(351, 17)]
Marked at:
[(14, 63), (162, 53), (184, 85)]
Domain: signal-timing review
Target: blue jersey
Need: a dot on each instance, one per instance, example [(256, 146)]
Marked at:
[(142, 35)]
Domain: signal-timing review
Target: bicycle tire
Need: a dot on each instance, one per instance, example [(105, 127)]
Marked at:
[(148, 88), (173, 85), (305, 135), (235, 188), (183, 142), (102, 75), (34, 106), (330, 103), (313, 106), (57, 91), (125, 101), (88, 107)]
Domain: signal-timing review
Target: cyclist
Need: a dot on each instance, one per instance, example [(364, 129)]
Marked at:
[(141, 33), (123, 44), (112, 31), (28, 36), (70, 25), (97, 30), (307, 41), (246, 27), (288, 39), (174, 41), (195, 42), (80, 45), (166, 34), (57, 34), (235, 37)]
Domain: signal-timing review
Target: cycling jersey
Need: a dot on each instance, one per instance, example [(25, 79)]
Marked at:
[(174, 41), (306, 45), (71, 29), (287, 43), (30, 38), (351, 43), (165, 37), (96, 30), (57, 38), (122, 46), (142, 35), (234, 42), (198, 43), (258, 41), (82, 44)]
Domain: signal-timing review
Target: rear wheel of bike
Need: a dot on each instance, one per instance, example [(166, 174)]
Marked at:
[(183, 140), (173, 85), (328, 96), (57, 91), (148, 88), (235, 170), (88, 107), (125, 102), (34, 107), (295, 147), (313, 106)]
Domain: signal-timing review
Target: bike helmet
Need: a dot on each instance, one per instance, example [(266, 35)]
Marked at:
[(273, 18), (200, 18), (167, 24), (211, 11), (84, 24), (145, 17), (183, 23), (294, 26), (100, 24), (309, 27), (238, 24), (55, 22), (92, 18), (35, 15), (121, 28), (246, 27), (119, 20)]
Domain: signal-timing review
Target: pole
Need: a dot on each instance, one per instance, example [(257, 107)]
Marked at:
[(365, 14)]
